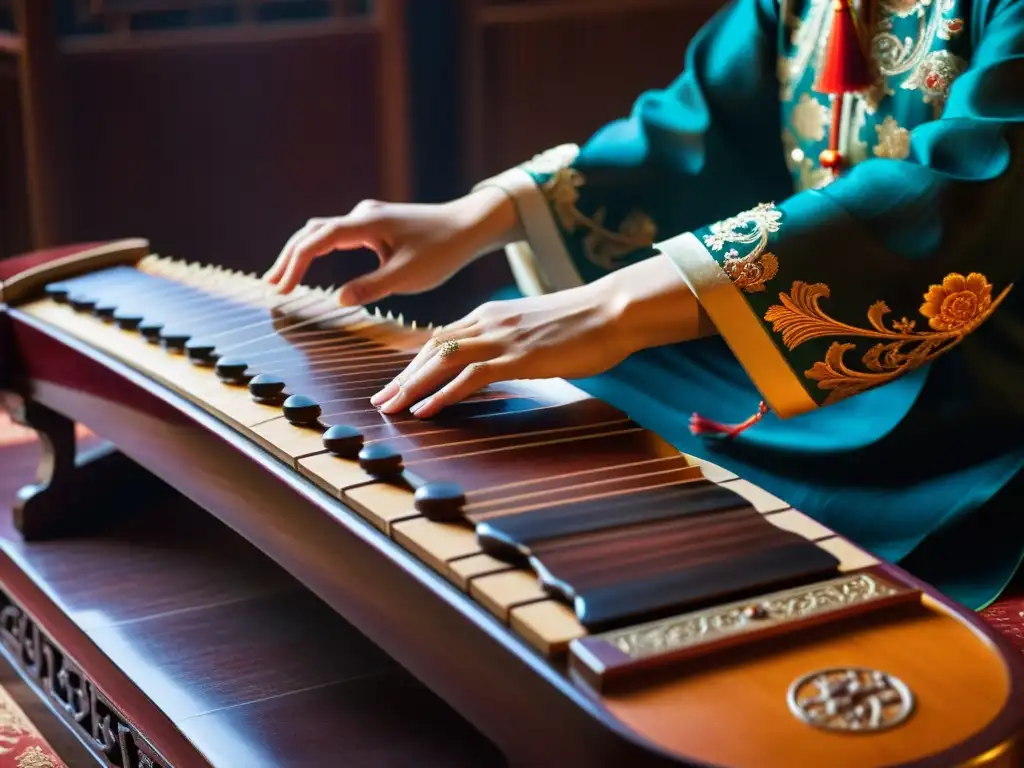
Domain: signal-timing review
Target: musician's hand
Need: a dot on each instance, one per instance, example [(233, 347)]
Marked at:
[(419, 246), (570, 334)]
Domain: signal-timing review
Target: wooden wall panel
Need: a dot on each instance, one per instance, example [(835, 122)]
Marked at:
[(538, 73), (549, 72), (14, 230), (217, 153)]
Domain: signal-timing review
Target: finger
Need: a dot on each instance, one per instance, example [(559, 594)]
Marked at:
[(471, 379), (378, 284), (277, 269), (438, 370), (341, 233), (458, 330)]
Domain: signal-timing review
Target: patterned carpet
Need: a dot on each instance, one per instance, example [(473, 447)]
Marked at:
[(21, 744)]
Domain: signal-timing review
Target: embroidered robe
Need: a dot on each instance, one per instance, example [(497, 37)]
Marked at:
[(875, 313)]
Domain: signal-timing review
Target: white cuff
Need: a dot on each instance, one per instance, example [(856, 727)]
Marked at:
[(541, 264), (739, 325)]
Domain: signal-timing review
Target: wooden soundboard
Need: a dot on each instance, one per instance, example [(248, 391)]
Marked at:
[(732, 682)]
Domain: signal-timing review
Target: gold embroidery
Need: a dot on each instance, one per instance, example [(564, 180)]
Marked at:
[(893, 140), (927, 70), (601, 245), (810, 118), (895, 56), (809, 176), (934, 77), (752, 271), (808, 38), (958, 302), (931, 71), (34, 757), (552, 160), (954, 309), (951, 28)]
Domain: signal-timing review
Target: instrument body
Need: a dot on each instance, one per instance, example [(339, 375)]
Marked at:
[(540, 711)]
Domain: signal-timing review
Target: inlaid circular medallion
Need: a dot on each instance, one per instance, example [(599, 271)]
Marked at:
[(851, 700)]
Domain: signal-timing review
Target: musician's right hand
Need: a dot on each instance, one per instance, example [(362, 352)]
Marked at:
[(419, 245)]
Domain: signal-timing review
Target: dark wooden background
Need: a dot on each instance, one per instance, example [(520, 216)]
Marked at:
[(216, 127)]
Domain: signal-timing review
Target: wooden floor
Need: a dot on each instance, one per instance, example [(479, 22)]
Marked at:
[(250, 666)]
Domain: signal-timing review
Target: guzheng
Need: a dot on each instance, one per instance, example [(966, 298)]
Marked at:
[(577, 588)]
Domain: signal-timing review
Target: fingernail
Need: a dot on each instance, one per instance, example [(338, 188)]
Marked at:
[(349, 297), (389, 391), (391, 405), (421, 406)]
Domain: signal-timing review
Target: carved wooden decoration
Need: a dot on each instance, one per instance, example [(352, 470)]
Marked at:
[(61, 681)]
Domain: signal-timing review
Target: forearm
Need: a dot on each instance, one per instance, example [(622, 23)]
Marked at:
[(493, 221), (651, 306)]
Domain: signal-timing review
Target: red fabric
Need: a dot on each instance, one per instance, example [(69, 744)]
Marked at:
[(846, 67), (15, 264), (1007, 613), (21, 745)]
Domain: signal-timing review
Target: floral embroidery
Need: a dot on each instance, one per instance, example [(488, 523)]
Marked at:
[(808, 39), (601, 245), (810, 118), (931, 72), (951, 28), (893, 140), (954, 309), (895, 56), (552, 160), (752, 271), (905, 8), (934, 77), (957, 302), (35, 757), (809, 176)]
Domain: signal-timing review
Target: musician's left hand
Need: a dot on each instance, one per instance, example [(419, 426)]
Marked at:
[(570, 334)]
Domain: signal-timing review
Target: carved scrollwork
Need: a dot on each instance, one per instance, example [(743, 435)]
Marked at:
[(694, 629), (59, 678)]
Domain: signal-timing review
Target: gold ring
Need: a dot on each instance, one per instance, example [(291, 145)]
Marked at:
[(449, 348)]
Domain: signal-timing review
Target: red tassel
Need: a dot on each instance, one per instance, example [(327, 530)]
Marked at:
[(846, 67), (701, 426), (846, 71)]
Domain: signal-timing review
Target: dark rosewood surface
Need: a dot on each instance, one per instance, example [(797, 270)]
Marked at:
[(249, 665), (11, 266), (453, 645), (447, 641)]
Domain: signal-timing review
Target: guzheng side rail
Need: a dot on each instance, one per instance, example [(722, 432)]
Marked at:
[(578, 589)]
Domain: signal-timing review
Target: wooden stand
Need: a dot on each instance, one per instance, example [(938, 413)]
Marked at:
[(166, 641), (73, 492)]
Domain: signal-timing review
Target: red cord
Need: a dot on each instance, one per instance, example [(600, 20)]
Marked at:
[(702, 426)]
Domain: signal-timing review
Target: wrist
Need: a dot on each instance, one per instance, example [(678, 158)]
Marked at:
[(491, 219), (649, 305)]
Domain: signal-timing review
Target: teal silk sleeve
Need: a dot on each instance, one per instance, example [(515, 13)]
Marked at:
[(838, 290), (697, 150)]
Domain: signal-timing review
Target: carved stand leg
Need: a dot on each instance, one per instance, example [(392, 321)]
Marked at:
[(72, 492)]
